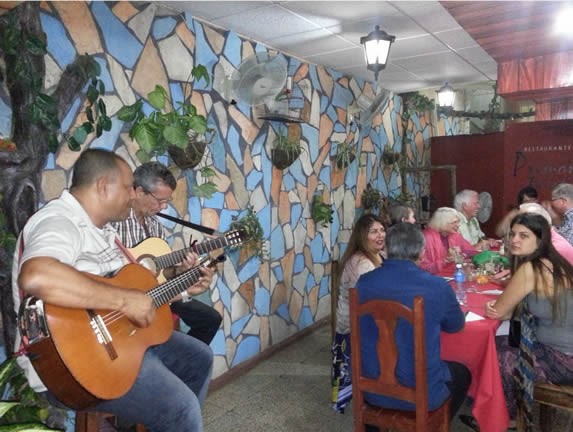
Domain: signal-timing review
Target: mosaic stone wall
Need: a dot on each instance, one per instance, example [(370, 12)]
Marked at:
[(139, 46)]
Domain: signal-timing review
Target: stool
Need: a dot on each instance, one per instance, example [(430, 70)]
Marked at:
[(550, 396), (90, 421)]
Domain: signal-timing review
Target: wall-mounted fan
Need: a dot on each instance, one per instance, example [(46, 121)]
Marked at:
[(259, 78), (370, 107), (485, 207)]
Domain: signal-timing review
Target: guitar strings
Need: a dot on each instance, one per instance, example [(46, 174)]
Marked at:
[(158, 292)]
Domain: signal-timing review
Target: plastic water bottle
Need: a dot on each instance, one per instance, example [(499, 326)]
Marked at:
[(459, 285)]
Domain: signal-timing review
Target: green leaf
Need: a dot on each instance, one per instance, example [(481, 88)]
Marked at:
[(92, 94), (105, 122), (208, 171), (142, 156), (206, 190), (88, 127), (128, 113), (6, 406), (145, 136), (102, 108), (101, 87), (176, 134), (198, 124), (157, 98), (26, 427), (73, 144), (89, 114), (199, 72), (53, 143), (80, 135)]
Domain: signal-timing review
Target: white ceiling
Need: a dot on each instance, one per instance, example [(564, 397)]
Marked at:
[(430, 46)]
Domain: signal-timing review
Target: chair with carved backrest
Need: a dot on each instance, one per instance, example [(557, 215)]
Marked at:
[(386, 314), (550, 396)]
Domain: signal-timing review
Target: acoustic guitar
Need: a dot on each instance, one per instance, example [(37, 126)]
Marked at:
[(155, 253), (85, 355)]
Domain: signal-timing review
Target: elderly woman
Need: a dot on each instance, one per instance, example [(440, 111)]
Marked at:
[(542, 285), (363, 254), (401, 213), (443, 241)]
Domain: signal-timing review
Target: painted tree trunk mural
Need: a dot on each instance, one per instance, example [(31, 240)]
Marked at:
[(35, 123)]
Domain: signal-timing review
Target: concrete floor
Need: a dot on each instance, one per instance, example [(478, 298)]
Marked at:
[(288, 392)]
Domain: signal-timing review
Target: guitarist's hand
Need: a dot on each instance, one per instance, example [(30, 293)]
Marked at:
[(204, 282), (138, 308)]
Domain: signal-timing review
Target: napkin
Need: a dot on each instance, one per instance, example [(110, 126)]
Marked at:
[(470, 316), (492, 292)]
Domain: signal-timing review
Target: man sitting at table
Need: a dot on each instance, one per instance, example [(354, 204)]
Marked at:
[(467, 204), (400, 279)]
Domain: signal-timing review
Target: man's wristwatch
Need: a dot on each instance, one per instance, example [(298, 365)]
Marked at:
[(185, 297)]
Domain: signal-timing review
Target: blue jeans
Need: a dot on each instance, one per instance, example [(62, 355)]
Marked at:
[(170, 388)]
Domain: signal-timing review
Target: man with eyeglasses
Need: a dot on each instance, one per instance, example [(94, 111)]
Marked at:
[(153, 186), (562, 205)]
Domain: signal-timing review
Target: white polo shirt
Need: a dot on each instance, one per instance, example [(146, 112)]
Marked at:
[(63, 230)]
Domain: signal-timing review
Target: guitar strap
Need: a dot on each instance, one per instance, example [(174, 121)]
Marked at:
[(125, 251), (200, 228)]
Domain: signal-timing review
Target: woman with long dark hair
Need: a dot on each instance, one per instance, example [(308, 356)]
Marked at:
[(363, 254), (541, 287)]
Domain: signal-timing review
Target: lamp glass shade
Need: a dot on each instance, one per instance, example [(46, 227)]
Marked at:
[(446, 96), (376, 49)]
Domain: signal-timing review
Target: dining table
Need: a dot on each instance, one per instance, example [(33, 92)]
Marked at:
[(474, 346)]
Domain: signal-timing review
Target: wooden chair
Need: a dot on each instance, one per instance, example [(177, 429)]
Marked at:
[(90, 421), (386, 314), (549, 397)]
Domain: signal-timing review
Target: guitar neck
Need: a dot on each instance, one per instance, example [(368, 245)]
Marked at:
[(163, 293), (174, 258)]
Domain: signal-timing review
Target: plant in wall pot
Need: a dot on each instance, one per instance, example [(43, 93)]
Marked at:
[(285, 150), (321, 212), (371, 199), (251, 227), (390, 157), (345, 154), (174, 129)]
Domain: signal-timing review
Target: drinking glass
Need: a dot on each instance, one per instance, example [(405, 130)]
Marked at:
[(470, 273)]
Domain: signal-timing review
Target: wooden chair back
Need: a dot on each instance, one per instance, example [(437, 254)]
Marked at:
[(386, 315), (549, 397)]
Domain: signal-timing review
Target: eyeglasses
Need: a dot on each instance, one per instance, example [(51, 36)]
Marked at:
[(160, 200), (556, 198)]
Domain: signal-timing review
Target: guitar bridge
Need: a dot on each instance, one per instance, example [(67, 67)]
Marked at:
[(102, 334)]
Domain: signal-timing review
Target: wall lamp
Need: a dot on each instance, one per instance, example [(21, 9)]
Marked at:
[(376, 49), (446, 96)]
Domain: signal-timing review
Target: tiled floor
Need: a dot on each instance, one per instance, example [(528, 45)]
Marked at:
[(286, 393)]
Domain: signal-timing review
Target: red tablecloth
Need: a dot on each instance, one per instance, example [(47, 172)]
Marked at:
[(475, 347)]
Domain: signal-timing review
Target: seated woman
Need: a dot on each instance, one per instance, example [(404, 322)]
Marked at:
[(363, 254), (542, 284), (443, 241), (401, 213)]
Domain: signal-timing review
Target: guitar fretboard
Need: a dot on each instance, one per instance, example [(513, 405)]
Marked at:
[(163, 293), (171, 259)]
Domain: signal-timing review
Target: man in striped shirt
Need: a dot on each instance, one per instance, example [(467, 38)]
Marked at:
[(153, 185)]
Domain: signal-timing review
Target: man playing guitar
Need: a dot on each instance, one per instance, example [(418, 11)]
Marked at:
[(70, 237), (154, 185)]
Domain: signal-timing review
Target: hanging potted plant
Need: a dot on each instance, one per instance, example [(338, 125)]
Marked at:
[(285, 151), (390, 157), (371, 199), (176, 129), (251, 227), (345, 154), (321, 212)]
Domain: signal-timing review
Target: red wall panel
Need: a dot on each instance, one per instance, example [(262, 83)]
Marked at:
[(480, 163)]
